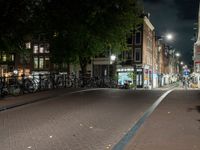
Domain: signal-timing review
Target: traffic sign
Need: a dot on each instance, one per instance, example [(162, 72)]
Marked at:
[(186, 72)]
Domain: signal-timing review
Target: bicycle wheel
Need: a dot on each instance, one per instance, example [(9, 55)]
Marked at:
[(28, 86), (68, 83), (59, 82), (15, 89)]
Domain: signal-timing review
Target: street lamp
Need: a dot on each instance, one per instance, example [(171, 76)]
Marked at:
[(112, 58), (178, 54), (169, 36), (15, 71), (166, 37), (182, 63)]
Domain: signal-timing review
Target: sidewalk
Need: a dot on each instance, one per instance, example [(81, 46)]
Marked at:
[(168, 86), (165, 87), (174, 125), (14, 101)]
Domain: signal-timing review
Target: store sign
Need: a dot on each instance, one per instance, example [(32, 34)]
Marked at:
[(186, 72), (139, 70), (125, 69)]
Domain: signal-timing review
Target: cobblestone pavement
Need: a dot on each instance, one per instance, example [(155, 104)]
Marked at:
[(174, 125), (10, 101), (90, 120)]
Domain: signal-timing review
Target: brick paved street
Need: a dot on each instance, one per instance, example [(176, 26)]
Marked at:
[(97, 119), (91, 120)]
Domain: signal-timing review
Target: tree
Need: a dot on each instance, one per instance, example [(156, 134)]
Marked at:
[(16, 23), (90, 26), (76, 29)]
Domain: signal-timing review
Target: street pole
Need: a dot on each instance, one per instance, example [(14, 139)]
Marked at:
[(152, 57), (109, 64)]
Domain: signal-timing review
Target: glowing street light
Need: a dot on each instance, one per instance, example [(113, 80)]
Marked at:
[(169, 36), (113, 57), (182, 63), (178, 54)]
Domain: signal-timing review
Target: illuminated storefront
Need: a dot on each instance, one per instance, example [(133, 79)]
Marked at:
[(7, 63), (125, 76)]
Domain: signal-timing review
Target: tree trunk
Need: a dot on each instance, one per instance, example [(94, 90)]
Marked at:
[(83, 64)]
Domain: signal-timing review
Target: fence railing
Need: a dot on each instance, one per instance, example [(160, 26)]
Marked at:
[(17, 85)]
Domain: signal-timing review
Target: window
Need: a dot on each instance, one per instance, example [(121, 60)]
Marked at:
[(35, 49), (47, 48), (4, 57), (149, 43), (35, 63), (137, 55), (47, 63), (42, 49), (12, 57), (41, 63), (28, 45), (138, 38), (128, 54)]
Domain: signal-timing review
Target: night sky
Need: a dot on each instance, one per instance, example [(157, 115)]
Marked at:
[(177, 17)]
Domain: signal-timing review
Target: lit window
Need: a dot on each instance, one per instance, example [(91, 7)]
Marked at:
[(35, 63), (12, 57), (41, 49), (4, 57), (137, 54), (41, 63), (28, 45), (35, 49)]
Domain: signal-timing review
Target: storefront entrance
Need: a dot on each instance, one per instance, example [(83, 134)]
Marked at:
[(139, 77)]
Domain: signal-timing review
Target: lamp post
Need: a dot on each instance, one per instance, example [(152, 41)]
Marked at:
[(169, 36), (178, 55), (159, 71), (177, 60), (182, 63), (166, 37), (112, 59)]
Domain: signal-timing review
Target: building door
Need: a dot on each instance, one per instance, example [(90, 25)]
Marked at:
[(139, 78)]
